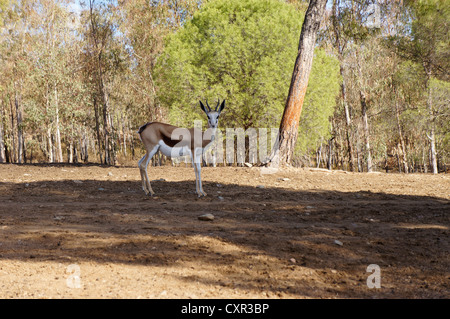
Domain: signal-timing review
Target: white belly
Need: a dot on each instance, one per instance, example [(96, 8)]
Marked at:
[(173, 152)]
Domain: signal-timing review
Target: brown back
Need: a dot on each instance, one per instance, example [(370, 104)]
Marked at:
[(152, 132)]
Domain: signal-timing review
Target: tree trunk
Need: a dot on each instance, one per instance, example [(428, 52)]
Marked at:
[(424, 162), (319, 156), (340, 48), (50, 145), (330, 154), (110, 156), (106, 123), (131, 141), (124, 136), (386, 166), (358, 149), (2, 142), (402, 141), (75, 152), (363, 101), (366, 130), (348, 121), (13, 138), (58, 133), (70, 152), (432, 136), (85, 147), (97, 128), (433, 158), (59, 155), (399, 163), (284, 147), (20, 141)]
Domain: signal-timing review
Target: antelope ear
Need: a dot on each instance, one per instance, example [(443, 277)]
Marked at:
[(203, 107), (222, 106)]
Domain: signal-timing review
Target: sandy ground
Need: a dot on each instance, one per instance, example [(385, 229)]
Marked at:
[(90, 232)]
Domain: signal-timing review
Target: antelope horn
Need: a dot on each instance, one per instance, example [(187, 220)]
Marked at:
[(208, 105), (218, 102)]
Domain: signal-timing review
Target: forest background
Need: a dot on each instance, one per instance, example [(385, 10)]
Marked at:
[(77, 79)]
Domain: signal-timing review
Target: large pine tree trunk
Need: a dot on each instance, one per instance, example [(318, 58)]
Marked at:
[(284, 147)]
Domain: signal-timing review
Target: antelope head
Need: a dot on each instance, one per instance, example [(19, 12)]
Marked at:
[(213, 116)]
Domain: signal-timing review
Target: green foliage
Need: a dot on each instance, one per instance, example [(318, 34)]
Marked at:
[(3, 7), (320, 101), (411, 90), (425, 39), (440, 92), (244, 51)]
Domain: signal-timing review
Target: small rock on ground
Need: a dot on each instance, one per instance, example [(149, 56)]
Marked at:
[(206, 217)]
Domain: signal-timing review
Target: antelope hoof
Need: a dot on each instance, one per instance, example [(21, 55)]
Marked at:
[(203, 194)]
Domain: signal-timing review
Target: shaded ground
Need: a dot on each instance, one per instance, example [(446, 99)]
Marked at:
[(305, 234)]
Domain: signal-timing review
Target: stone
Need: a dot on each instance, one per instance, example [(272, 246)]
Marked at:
[(206, 217), (338, 242)]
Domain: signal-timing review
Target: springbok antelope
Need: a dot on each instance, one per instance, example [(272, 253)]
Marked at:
[(175, 142)]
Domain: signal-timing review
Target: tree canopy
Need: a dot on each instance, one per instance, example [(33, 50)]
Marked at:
[(244, 51)]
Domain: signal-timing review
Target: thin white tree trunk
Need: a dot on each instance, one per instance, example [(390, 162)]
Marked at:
[(58, 133)]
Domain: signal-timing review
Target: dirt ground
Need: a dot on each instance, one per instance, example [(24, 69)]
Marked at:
[(90, 232)]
